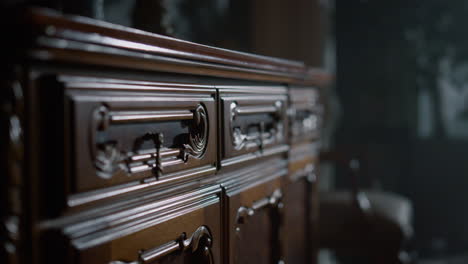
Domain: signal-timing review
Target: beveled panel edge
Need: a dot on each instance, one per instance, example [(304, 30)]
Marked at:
[(271, 151), (128, 188), (106, 83), (93, 227), (90, 54), (234, 181)]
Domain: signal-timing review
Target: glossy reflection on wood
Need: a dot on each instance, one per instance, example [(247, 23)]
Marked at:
[(130, 147)]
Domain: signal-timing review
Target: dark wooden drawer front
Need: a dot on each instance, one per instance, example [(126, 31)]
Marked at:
[(254, 224), (305, 113), (181, 228), (295, 226), (254, 202), (127, 131), (252, 122)]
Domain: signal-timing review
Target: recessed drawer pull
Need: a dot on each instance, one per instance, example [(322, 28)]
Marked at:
[(200, 243), (274, 200)]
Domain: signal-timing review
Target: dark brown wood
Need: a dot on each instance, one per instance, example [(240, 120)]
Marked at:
[(295, 238), (168, 229), (98, 32), (300, 187), (128, 131), (253, 121), (130, 147), (252, 208), (86, 41)]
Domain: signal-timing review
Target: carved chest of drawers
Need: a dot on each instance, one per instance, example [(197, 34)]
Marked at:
[(122, 146)]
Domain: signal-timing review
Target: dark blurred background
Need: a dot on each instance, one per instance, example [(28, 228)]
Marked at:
[(402, 87), (400, 94)]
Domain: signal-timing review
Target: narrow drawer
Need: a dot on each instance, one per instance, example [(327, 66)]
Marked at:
[(253, 119), (129, 131), (305, 114)]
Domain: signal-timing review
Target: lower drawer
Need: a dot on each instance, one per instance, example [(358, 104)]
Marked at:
[(185, 228), (253, 224)]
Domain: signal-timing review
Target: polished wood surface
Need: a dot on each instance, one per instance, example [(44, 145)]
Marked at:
[(87, 41), (129, 147)]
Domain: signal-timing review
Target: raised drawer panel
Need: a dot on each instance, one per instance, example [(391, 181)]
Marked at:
[(254, 120), (184, 228), (127, 131), (253, 209)]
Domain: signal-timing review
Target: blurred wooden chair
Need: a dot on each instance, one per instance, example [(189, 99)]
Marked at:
[(376, 225)]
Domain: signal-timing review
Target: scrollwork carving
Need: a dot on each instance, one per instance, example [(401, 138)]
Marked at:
[(198, 137), (109, 159)]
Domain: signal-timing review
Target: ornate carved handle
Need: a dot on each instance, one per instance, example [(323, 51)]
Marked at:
[(274, 200), (109, 159), (263, 137), (200, 241)]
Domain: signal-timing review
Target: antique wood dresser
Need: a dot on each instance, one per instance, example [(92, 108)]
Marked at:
[(121, 146)]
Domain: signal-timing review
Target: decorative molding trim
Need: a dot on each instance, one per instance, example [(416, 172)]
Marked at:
[(276, 150), (136, 187), (106, 223), (65, 38), (83, 29), (253, 175)]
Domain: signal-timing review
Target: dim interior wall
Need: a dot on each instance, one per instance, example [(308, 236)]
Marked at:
[(288, 29)]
